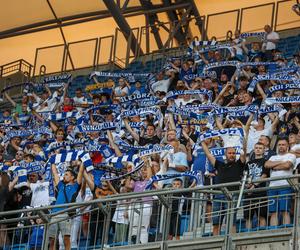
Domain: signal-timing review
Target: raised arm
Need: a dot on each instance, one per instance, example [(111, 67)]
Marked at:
[(13, 103), (222, 92), (135, 136), (111, 187), (12, 184), (209, 156), (88, 180), (80, 174), (55, 174), (113, 145), (261, 91)]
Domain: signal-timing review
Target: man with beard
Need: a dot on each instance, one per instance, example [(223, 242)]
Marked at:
[(229, 171)]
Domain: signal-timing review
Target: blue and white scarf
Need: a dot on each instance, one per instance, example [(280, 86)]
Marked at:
[(65, 144), (134, 158), (72, 156), (284, 87), (126, 146), (261, 35), (26, 133), (236, 111), (64, 115), (137, 97), (221, 64), (57, 81), (142, 112), (175, 93), (285, 99), (131, 77), (267, 77), (196, 175), (211, 74), (33, 167), (99, 127), (270, 109), (21, 173), (255, 64), (157, 149), (49, 178), (111, 177), (220, 133)]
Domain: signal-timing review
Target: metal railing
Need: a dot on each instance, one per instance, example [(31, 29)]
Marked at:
[(163, 216), (16, 66), (118, 49)]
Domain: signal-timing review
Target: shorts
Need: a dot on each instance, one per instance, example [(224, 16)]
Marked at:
[(256, 206), (220, 210), (64, 226), (282, 203)]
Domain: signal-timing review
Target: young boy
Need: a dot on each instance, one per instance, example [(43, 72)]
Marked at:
[(177, 205)]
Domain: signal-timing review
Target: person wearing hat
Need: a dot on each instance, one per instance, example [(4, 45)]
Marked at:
[(67, 191)]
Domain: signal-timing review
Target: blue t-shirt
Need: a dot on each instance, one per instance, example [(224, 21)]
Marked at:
[(36, 237), (71, 192)]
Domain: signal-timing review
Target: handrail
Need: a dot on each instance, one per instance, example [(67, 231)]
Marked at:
[(15, 66), (202, 189)]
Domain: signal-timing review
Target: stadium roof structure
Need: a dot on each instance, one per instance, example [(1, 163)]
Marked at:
[(36, 15)]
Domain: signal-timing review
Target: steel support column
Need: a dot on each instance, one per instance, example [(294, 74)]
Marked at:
[(123, 25), (62, 34), (178, 26), (152, 18), (199, 21), (172, 15)]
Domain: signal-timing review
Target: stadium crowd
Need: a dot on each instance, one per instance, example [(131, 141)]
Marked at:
[(218, 112)]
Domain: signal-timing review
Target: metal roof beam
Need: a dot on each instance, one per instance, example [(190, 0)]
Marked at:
[(199, 22), (177, 27), (152, 18), (81, 18), (123, 25), (172, 15)]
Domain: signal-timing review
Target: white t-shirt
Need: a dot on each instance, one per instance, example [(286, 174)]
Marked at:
[(275, 173), (271, 45), (238, 46), (40, 194), (254, 136), (79, 100), (119, 215), (162, 85), (119, 91), (294, 148), (51, 103)]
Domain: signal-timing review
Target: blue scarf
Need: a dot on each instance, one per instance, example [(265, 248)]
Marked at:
[(284, 87), (109, 177), (131, 77), (261, 35), (99, 127), (72, 156), (196, 175), (286, 99), (156, 149), (174, 93), (219, 133), (275, 77), (211, 74)]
